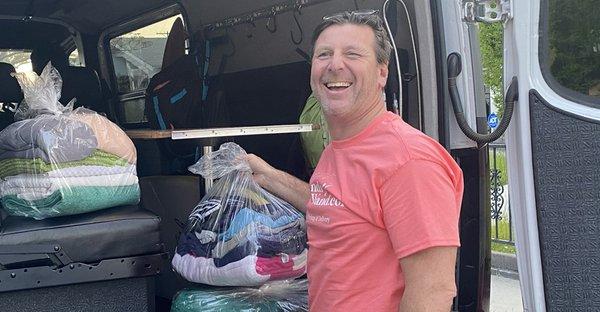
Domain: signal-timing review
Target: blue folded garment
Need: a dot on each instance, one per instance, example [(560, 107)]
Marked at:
[(246, 216)]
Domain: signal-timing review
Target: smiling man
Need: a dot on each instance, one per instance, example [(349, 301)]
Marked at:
[(383, 204)]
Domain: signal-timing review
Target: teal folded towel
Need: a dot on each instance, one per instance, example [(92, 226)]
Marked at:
[(280, 296), (72, 200)]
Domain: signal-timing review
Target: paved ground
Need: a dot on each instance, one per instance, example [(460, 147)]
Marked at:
[(505, 295)]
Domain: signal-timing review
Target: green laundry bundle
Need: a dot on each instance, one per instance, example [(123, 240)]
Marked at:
[(72, 200), (57, 161), (15, 166), (280, 296)]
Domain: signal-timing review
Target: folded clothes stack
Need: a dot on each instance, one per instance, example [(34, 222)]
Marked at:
[(54, 165), (242, 242), (281, 296)]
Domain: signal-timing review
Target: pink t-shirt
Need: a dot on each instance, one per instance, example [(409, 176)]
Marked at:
[(384, 194)]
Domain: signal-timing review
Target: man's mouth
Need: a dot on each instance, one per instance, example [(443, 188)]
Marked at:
[(338, 85)]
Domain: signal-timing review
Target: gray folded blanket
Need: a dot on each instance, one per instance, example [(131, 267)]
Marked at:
[(52, 138)]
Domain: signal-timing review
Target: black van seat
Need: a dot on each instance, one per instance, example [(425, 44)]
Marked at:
[(119, 242), (83, 84), (90, 237), (10, 91), (10, 94)]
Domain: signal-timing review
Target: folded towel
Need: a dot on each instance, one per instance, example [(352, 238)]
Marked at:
[(203, 270), (111, 138), (283, 266), (247, 271), (33, 187), (90, 171), (74, 200), (289, 295), (14, 166), (50, 138)]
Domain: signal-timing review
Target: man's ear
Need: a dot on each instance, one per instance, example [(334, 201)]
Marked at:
[(383, 74)]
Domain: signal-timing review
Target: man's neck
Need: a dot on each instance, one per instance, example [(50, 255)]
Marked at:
[(341, 128)]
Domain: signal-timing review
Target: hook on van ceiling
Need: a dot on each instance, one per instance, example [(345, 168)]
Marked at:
[(231, 44), (28, 13), (294, 40), (252, 26), (272, 21)]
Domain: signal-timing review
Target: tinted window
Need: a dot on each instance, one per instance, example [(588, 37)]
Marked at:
[(574, 44), (74, 59), (137, 55), (17, 58)]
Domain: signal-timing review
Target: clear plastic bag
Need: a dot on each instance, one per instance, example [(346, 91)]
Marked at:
[(239, 234), (59, 161), (280, 296), (41, 94)]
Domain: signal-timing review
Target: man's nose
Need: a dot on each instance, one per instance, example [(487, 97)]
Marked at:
[(336, 62)]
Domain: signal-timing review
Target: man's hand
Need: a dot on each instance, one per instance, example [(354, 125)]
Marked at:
[(283, 185), (261, 170), (429, 280)]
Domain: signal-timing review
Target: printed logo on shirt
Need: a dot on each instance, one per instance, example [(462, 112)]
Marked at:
[(313, 218), (319, 196), (321, 199)]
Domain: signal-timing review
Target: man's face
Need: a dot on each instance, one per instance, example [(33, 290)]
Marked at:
[(345, 75)]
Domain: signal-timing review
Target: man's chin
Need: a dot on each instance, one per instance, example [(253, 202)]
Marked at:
[(335, 108)]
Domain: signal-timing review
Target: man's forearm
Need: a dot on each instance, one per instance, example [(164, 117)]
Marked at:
[(434, 299), (429, 280), (289, 188)]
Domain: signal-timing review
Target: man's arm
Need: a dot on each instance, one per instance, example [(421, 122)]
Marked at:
[(283, 185), (429, 280)]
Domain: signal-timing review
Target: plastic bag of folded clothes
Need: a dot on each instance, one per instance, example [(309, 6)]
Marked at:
[(58, 161), (239, 234), (279, 296)]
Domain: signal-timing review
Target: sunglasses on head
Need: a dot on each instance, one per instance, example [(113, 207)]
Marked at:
[(358, 13)]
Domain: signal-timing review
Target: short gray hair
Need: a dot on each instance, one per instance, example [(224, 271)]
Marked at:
[(383, 46)]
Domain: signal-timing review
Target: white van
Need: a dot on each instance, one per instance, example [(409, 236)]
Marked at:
[(251, 62)]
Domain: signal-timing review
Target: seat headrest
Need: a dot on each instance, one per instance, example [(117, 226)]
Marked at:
[(10, 91), (83, 84), (40, 56)]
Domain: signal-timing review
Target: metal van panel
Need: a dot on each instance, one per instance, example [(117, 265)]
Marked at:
[(518, 61), (457, 39), (567, 184), (252, 45), (522, 59), (426, 50)]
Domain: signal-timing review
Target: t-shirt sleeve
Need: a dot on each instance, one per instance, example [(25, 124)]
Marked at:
[(420, 208)]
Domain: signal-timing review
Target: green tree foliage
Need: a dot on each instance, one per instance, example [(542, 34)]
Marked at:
[(574, 38), (490, 40)]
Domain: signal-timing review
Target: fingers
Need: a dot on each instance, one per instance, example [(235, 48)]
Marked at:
[(257, 164), (260, 170)]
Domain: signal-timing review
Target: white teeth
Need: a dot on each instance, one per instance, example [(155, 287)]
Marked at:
[(337, 84)]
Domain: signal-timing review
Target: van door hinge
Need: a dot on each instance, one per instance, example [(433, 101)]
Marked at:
[(487, 11)]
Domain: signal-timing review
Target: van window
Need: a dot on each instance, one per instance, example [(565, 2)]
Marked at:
[(137, 55), (17, 58), (74, 59), (573, 55)]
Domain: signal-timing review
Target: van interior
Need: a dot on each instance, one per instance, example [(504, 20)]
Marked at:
[(252, 64)]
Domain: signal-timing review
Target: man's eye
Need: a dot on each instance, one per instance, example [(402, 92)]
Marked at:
[(322, 55), (353, 54)]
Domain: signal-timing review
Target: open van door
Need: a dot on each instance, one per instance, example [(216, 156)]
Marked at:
[(463, 130), (553, 47)]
